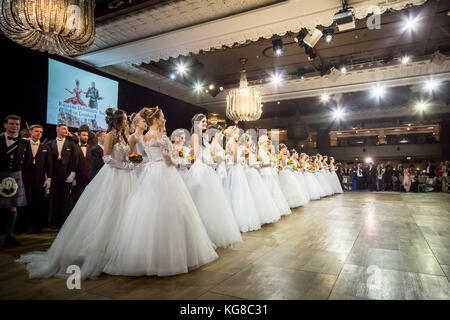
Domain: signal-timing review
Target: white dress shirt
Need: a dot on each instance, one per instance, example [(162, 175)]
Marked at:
[(9, 142), (34, 148), (102, 146), (83, 149), (60, 144)]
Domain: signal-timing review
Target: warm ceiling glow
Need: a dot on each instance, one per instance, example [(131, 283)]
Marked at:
[(368, 160), (421, 105), (378, 92), (211, 86), (344, 69), (276, 79), (431, 85), (406, 59), (324, 97)]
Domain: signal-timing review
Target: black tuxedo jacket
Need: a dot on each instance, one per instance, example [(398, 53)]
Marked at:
[(96, 159), (18, 150), (69, 159), (84, 169), (41, 169)]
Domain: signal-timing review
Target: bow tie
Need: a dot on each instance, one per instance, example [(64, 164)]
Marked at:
[(34, 143), (83, 145), (12, 138), (60, 139)]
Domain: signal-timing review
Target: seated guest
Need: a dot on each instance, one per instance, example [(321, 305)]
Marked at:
[(84, 170), (37, 173), (97, 153), (12, 156)]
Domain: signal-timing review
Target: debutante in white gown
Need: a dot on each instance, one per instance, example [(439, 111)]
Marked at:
[(291, 188), (301, 180), (268, 177), (183, 162), (314, 189), (323, 181), (84, 239), (139, 149), (242, 202), (162, 233), (267, 209), (213, 205), (335, 179)]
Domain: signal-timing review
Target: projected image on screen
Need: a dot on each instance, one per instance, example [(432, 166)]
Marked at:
[(77, 97)]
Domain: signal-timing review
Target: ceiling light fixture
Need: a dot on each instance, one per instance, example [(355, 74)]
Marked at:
[(181, 68), (328, 35), (198, 87), (277, 46), (421, 106), (276, 78), (406, 59), (410, 24), (172, 76), (312, 37), (378, 92), (324, 98), (431, 85), (343, 69), (345, 18), (338, 113)]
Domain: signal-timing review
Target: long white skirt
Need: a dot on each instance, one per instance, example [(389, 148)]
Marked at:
[(267, 209), (273, 187), (291, 189), (162, 233), (214, 207), (314, 189), (84, 239), (242, 202)]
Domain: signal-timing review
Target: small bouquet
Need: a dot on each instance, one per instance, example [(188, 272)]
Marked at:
[(280, 168), (246, 154), (273, 159), (135, 158), (258, 158), (227, 150), (303, 169), (310, 168), (289, 162), (192, 159), (279, 157), (181, 154), (294, 168)]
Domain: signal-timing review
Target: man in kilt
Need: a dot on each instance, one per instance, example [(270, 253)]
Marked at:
[(12, 191)]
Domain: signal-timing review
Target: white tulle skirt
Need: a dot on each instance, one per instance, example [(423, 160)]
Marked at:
[(313, 187), (302, 182), (242, 202), (274, 188), (291, 189), (207, 191), (267, 209), (324, 183), (162, 233), (336, 183), (84, 239)]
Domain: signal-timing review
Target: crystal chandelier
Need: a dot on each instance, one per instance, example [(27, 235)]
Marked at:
[(64, 27), (244, 103)]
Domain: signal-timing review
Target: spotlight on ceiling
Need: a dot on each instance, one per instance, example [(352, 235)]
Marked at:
[(368, 160), (211, 86), (431, 85), (406, 59), (172, 76), (334, 74), (343, 69), (301, 35), (312, 37), (403, 141), (276, 78), (328, 35), (421, 106), (181, 68), (410, 24), (198, 87), (324, 98), (338, 114), (221, 88), (345, 18), (301, 73), (277, 46), (378, 92)]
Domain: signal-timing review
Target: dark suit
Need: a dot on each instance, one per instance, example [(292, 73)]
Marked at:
[(371, 175), (84, 173), (35, 171), (431, 171), (96, 159), (388, 178), (60, 189)]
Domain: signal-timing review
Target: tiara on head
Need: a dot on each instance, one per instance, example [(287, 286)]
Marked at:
[(154, 112)]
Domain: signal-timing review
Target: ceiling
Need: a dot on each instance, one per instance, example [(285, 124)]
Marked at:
[(142, 41)]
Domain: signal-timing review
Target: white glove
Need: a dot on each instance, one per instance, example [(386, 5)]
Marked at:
[(47, 183), (71, 177), (74, 183), (126, 165)]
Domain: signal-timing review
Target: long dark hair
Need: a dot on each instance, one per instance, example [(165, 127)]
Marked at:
[(195, 120), (114, 120)]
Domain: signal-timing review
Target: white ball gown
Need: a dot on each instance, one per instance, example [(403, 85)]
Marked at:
[(213, 205), (329, 177), (139, 149), (323, 181), (242, 202), (336, 182), (183, 162), (267, 209), (313, 187), (162, 233), (84, 239), (267, 175), (300, 179), (291, 188)]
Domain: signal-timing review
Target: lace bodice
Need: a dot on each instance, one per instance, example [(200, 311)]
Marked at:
[(158, 150), (140, 149), (120, 151)]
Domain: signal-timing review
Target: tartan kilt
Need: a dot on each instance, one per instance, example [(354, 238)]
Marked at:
[(18, 199)]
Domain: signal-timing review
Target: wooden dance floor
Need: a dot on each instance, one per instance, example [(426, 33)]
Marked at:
[(350, 246)]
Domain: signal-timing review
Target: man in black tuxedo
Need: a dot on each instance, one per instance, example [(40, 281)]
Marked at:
[(84, 168), (388, 177), (97, 153), (430, 170), (360, 176), (12, 190), (65, 163), (37, 174), (371, 174)]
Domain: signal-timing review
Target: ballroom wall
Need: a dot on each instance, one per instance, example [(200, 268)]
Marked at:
[(25, 74)]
